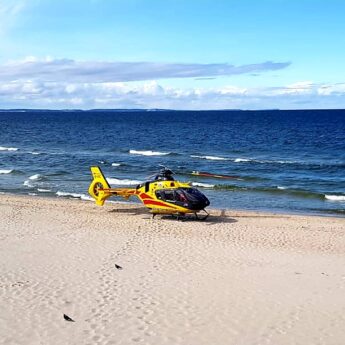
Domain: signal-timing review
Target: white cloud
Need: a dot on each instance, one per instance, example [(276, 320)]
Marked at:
[(60, 70), (335, 89), (70, 88), (301, 87), (152, 88), (233, 90), (150, 94), (9, 10), (63, 83)]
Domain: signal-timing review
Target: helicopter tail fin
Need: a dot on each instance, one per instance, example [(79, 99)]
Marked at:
[(99, 187)]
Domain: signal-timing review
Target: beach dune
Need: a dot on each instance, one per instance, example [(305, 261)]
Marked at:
[(237, 278)]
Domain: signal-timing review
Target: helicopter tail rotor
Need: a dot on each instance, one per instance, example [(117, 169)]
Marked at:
[(98, 186)]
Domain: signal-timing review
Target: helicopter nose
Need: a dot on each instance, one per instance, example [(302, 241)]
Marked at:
[(200, 204)]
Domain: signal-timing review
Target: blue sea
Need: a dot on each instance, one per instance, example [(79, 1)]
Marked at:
[(281, 161)]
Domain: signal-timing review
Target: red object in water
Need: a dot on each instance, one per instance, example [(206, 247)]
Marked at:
[(206, 174)]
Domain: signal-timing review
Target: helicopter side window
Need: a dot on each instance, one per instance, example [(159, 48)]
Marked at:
[(159, 194), (166, 195), (169, 195), (180, 196)]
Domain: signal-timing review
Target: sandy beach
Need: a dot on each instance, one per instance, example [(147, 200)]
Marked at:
[(237, 278)]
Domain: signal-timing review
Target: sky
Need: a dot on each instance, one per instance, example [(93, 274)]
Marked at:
[(172, 54)]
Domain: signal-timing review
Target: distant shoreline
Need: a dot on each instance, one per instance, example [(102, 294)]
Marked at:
[(163, 110)]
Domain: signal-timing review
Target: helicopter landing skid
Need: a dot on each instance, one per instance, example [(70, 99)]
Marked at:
[(183, 217), (204, 217)]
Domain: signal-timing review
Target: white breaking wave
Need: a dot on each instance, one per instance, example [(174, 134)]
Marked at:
[(124, 182), (35, 153), (3, 148), (6, 171), (244, 160), (43, 190), (116, 164), (36, 177), (86, 197), (239, 160), (148, 153), (74, 195), (213, 158), (28, 183), (203, 185), (281, 188), (335, 197), (32, 179), (263, 161)]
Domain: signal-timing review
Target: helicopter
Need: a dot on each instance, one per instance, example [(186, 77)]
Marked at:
[(161, 195)]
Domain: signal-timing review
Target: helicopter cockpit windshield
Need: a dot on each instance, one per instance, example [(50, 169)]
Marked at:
[(187, 197)]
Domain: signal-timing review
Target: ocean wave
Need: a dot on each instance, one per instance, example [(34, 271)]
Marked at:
[(335, 211), (35, 153), (240, 160), (315, 165), (6, 171), (229, 187), (269, 161), (36, 177), (3, 148), (335, 197), (74, 195), (203, 185), (27, 183), (42, 190), (123, 182), (212, 158), (33, 180), (108, 163), (264, 161), (148, 153), (59, 173), (278, 190), (300, 193)]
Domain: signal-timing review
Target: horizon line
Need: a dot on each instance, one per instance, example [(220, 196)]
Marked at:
[(162, 109)]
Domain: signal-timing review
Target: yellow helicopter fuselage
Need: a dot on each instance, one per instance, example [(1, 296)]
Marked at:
[(160, 196)]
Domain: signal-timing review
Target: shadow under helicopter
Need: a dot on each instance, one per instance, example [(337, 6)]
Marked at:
[(214, 218)]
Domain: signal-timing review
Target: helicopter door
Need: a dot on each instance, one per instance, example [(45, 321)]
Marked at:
[(176, 196), (169, 196), (166, 195)]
